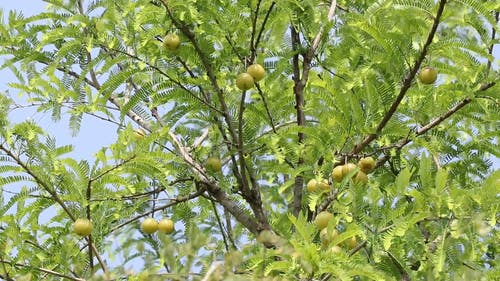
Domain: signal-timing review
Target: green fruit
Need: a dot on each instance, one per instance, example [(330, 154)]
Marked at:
[(82, 227), (323, 184), (322, 219), (312, 185), (213, 164), (337, 173), (336, 249), (267, 237), (256, 71), (361, 178), (366, 165), (351, 243), (149, 225), (428, 75), (348, 168), (171, 41), (327, 237), (166, 226), (244, 81)]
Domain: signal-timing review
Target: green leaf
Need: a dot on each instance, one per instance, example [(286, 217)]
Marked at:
[(440, 180)]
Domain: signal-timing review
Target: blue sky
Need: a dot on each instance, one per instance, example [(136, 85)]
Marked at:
[(92, 136)]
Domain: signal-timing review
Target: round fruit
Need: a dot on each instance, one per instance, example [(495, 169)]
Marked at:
[(336, 249), (244, 81), (351, 243), (348, 168), (337, 174), (257, 71), (213, 164), (267, 237), (323, 185), (149, 225), (312, 185), (166, 226), (82, 227), (171, 41), (428, 75), (327, 237), (322, 219), (361, 178), (366, 165)]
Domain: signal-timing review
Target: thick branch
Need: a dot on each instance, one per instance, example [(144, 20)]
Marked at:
[(300, 79), (216, 192), (298, 90)]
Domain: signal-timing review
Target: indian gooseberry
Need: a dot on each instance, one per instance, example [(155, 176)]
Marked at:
[(244, 81), (427, 75), (256, 71), (149, 226), (322, 219)]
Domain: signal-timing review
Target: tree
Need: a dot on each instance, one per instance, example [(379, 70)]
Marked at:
[(341, 84)]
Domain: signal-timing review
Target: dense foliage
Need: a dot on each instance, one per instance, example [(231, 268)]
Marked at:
[(341, 83)]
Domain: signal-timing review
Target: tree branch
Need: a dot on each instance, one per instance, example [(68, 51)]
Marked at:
[(174, 202), (216, 192), (300, 80), (53, 195), (406, 84), (44, 270)]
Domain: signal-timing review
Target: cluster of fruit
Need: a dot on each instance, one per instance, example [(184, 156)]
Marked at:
[(245, 80), (83, 227), (150, 226), (366, 165), (327, 237)]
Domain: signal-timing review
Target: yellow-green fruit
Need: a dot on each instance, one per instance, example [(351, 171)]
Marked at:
[(139, 134), (257, 71), (322, 219), (327, 237), (213, 164), (171, 41), (336, 249), (351, 243), (166, 226), (361, 178), (337, 173), (366, 165), (82, 227), (348, 168), (267, 237), (323, 185), (312, 185), (427, 75), (149, 225), (244, 81)]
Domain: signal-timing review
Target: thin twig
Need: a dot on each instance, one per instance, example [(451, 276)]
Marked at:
[(44, 270), (166, 206)]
